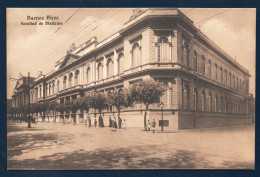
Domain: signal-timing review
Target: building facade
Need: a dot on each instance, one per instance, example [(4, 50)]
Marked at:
[(205, 86)]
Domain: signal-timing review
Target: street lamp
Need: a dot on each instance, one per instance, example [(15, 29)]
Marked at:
[(162, 115)]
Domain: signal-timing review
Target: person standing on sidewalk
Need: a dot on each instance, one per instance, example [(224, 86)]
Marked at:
[(95, 122), (124, 124), (148, 125), (85, 121), (153, 125)]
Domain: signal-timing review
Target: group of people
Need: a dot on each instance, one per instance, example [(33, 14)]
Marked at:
[(112, 123), (153, 124)]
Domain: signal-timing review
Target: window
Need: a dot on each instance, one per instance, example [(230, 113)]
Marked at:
[(230, 79), (216, 103), (64, 82), (185, 53), (210, 102), (110, 68), (185, 94), (240, 85), (165, 97), (203, 65), (195, 94), (163, 49), (50, 89), (221, 104), (88, 75), (216, 72), (58, 86), (210, 68), (70, 80), (226, 77), (100, 71), (225, 105), (136, 55), (237, 83), (120, 63), (221, 75), (234, 82), (53, 85), (195, 61), (203, 101), (77, 77)]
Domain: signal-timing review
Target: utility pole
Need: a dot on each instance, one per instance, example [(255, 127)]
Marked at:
[(29, 100)]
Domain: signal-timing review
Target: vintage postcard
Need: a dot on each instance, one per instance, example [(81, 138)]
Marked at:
[(130, 88)]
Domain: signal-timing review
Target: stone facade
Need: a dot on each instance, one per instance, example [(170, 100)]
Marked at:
[(206, 87)]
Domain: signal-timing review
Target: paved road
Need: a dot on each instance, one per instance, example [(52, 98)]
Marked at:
[(61, 146)]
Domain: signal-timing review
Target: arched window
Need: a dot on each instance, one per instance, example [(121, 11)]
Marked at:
[(210, 102), (210, 68), (65, 82), (58, 86), (185, 94), (240, 85), (185, 53), (234, 82), (110, 68), (100, 71), (221, 75), (136, 55), (40, 92), (195, 97), (237, 83), (216, 72), (226, 77), (203, 65), (203, 101), (216, 103), (120, 63), (53, 86), (50, 89), (46, 90), (195, 61), (221, 104), (163, 49), (88, 75), (77, 77), (230, 79), (225, 105), (70, 80), (165, 97)]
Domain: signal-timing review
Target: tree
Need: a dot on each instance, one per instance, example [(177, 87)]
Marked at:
[(147, 92), (43, 107), (74, 105), (61, 108), (52, 106), (98, 101), (119, 98)]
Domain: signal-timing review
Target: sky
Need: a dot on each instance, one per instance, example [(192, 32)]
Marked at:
[(35, 48)]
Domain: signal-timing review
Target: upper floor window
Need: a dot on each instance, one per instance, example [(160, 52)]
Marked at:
[(203, 65), (195, 95), (226, 80), (234, 82), (216, 103), (88, 75), (70, 80), (50, 89), (100, 71), (210, 102), (216, 72), (58, 86), (185, 53), (77, 77), (110, 68), (221, 75), (210, 68), (65, 82), (163, 49), (136, 55), (230, 79), (120, 63), (195, 63), (237, 83)]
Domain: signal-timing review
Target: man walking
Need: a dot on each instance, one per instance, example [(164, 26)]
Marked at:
[(153, 125), (95, 122)]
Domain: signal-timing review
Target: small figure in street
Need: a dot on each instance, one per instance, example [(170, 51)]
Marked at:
[(148, 125), (110, 122), (124, 124), (153, 125), (85, 121), (95, 122), (74, 120), (115, 124), (89, 122), (119, 122)]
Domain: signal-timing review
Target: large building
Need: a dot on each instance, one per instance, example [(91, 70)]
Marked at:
[(206, 87)]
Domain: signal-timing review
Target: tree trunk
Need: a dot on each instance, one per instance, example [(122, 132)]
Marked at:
[(146, 108)]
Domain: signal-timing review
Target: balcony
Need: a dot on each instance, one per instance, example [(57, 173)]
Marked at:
[(74, 88)]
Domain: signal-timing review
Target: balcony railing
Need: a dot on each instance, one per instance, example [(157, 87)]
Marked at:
[(76, 87)]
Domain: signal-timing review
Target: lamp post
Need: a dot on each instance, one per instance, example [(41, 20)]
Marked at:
[(162, 116)]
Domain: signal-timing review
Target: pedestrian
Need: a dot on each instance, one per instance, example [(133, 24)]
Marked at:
[(89, 122), (115, 124), (148, 125), (95, 122), (119, 122), (153, 125), (85, 121), (124, 124), (110, 122)]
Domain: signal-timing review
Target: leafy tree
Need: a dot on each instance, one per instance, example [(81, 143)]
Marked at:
[(147, 92), (98, 101), (43, 107), (61, 108), (119, 98), (52, 106)]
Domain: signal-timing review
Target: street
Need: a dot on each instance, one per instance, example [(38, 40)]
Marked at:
[(50, 146)]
